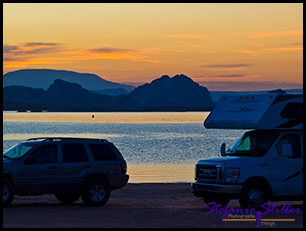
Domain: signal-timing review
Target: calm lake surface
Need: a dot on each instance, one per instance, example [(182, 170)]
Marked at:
[(158, 146)]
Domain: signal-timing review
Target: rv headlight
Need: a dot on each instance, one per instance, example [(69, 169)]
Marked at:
[(230, 175)]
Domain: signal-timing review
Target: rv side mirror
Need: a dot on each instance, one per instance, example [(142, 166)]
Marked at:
[(223, 149), (287, 150)]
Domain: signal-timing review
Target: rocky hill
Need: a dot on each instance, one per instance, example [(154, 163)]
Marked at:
[(165, 93), (179, 91)]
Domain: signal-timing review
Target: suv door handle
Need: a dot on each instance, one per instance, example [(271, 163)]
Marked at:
[(52, 167), (86, 166), (264, 164)]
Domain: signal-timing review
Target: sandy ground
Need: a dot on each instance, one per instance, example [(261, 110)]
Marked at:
[(150, 205)]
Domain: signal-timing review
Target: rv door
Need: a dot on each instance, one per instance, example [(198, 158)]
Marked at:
[(287, 165)]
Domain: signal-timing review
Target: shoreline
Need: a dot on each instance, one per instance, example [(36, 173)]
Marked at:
[(137, 205)]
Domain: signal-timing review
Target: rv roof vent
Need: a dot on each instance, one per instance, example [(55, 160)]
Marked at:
[(279, 91)]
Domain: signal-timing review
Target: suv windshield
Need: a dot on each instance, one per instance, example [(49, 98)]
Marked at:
[(253, 143), (17, 151)]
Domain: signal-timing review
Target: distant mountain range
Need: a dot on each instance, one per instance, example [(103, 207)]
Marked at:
[(43, 78), (53, 90), (165, 93)]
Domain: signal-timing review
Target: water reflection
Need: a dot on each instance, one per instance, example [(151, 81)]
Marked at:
[(108, 117), (158, 147), (160, 173)]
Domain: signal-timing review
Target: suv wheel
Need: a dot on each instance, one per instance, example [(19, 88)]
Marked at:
[(95, 193), (8, 193), (67, 198)]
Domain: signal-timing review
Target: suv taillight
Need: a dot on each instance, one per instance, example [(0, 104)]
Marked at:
[(123, 167)]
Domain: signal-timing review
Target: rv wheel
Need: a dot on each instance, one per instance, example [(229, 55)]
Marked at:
[(253, 195)]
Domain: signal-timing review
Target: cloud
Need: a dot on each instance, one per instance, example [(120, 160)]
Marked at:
[(109, 53), (275, 34), (284, 49), (108, 50), (218, 77), (187, 36), (228, 76), (41, 44), (29, 48), (8, 49), (228, 65), (48, 53), (188, 44), (269, 50), (294, 44), (23, 55), (34, 48)]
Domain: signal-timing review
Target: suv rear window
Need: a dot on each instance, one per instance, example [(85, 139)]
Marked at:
[(74, 153), (102, 152)]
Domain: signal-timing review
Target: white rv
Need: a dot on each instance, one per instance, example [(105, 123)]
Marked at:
[(266, 163)]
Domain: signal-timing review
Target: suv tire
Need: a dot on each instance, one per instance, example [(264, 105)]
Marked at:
[(8, 193), (67, 198), (95, 192)]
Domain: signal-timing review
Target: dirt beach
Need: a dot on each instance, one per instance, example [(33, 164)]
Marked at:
[(144, 205)]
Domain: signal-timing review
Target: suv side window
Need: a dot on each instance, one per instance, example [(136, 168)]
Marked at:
[(102, 152), (294, 140), (46, 154), (74, 153)]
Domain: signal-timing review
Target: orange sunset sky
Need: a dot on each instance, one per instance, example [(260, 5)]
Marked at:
[(221, 46)]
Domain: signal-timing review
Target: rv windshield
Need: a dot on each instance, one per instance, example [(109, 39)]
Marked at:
[(253, 143)]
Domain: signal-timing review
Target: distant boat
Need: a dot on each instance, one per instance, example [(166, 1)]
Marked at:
[(36, 110), (22, 110)]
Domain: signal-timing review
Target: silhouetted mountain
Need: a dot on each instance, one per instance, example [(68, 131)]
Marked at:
[(165, 93), (72, 94), (23, 94), (112, 92), (125, 102), (43, 78), (179, 91)]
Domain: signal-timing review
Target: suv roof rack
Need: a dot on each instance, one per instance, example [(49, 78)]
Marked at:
[(65, 138)]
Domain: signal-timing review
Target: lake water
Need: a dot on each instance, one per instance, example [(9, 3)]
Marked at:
[(158, 146)]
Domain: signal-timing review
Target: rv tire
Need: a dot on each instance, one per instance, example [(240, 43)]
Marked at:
[(253, 195)]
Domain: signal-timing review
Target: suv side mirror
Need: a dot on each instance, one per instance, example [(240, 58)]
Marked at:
[(287, 150), (31, 160), (223, 149)]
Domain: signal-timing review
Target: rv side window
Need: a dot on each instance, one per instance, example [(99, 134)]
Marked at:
[(294, 141), (292, 110)]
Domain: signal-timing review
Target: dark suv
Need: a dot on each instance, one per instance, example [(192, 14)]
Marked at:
[(70, 168)]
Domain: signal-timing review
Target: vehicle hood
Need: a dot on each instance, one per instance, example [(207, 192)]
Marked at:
[(220, 160), (7, 161)]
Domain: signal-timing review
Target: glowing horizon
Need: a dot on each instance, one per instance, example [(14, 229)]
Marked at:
[(223, 46)]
